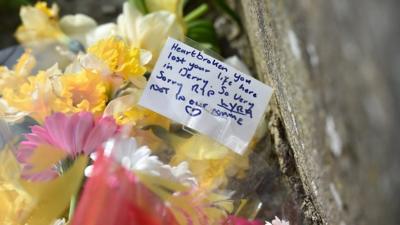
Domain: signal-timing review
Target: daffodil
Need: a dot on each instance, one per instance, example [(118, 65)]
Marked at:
[(77, 26), (148, 32), (39, 24), (126, 110), (211, 163), (51, 91), (120, 59), (13, 78), (84, 91), (36, 95), (18, 74)]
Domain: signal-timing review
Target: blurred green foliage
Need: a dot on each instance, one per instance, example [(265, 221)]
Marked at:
[(13, 4)]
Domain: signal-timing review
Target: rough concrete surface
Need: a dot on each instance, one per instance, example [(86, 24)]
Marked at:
[(335, 98)]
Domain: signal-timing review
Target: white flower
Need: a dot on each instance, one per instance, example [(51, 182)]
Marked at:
[(140, 159), (277, 221), (77, 26), (182, 174), (60, 222), (101, 32), (148, 31)]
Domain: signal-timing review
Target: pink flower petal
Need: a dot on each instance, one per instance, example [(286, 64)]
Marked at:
[(103, 130), (55, 126), (42, 132), (79, 129), (24, 153), (75, 134)]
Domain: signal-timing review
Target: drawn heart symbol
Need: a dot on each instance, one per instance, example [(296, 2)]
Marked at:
[(192, 111)]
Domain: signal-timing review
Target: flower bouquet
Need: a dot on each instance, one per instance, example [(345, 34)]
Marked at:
[(78, 149)]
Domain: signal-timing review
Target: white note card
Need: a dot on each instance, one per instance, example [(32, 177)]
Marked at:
[(207, 95)]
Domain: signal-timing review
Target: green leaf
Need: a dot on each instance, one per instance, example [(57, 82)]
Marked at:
[(196, 13), (203, 32)]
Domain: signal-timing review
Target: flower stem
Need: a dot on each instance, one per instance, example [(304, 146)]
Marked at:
[(196, 13), (72, 205)]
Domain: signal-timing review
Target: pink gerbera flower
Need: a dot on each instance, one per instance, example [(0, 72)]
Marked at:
[(80, 133)]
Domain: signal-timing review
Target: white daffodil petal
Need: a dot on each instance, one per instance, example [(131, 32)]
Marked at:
[(121, 104), (77, 24), (31, 17), (139, 82), (126, 23), (155, 28), (101, 32), (89, 61), (145, 57), (148, 31)]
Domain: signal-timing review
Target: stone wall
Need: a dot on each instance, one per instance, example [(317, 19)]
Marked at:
[(334, 98)]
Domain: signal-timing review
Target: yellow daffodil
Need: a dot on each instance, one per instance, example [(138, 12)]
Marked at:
[(120, 59), (126, 110), (25, 64), (39, 24), (19, 73), (210, 162), (37, 95), (49, 91), (50, 12), (148, 32), (84, 91), (13, 78)]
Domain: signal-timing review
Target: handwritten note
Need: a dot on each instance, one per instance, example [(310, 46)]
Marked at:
[(203, 93)]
